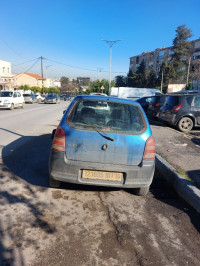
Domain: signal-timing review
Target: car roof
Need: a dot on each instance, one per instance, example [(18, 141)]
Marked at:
[(106, 98)]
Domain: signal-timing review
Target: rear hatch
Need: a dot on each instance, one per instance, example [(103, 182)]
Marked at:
[(107, 137)]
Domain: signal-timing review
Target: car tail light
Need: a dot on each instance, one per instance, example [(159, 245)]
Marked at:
[(150, 149), (59, 140), (157, 104), (176, 108)]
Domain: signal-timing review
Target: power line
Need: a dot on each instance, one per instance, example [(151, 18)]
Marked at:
[(24, 62), (33, 65), (12, 49), (87, 69)]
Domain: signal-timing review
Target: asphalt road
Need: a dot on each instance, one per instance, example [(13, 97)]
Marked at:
[(82, 225)]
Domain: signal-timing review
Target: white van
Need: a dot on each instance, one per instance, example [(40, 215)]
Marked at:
[(133, 93), (11, 99)]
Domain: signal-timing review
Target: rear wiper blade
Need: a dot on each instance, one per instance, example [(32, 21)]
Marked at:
[(98, 129)]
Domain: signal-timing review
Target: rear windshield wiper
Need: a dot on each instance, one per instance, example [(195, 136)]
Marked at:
[(98, 129)]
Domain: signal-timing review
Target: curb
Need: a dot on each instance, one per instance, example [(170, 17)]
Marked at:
[(184, 188)]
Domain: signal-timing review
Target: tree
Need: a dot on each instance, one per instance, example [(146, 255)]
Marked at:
[(130, 80), (151, 79), (120, 81), (195, 73), (97, 84), (181, 51), (141, 81), (64, 80)]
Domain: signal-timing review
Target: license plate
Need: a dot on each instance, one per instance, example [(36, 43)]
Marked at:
[(163, 114), (99, 175)]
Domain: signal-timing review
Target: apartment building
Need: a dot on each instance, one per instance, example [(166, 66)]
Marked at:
[(155, 58)]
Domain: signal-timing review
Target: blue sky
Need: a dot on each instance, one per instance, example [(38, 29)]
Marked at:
[(68, 32)]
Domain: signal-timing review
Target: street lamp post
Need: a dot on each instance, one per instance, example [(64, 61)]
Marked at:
[(46, 70), (110, 43)]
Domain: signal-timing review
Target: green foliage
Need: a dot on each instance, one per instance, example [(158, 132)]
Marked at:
[(151, 79), (24, 87), (120, 81), (182, 50), (97, 84)]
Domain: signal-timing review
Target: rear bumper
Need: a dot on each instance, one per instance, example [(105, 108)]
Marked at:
[(62, 169)]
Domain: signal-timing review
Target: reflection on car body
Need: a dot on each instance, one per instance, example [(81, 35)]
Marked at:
[(103, 141)]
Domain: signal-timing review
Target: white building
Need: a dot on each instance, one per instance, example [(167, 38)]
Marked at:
[(6, 77)]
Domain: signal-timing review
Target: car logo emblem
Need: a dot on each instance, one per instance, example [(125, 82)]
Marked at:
[(104, 147)]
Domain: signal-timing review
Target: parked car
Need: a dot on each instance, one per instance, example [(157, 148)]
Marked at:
[(11, 99), (181, 110), (30, 98), (40, 98), (103, 141), (52, 98), (144, 102), (67, 97), (156, 103)]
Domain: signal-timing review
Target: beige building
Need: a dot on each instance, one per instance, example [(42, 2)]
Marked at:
[(29, 79)]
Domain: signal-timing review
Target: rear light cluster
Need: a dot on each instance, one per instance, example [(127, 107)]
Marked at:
[(59, 140), (157, 104), (176, 108), (150, 149)]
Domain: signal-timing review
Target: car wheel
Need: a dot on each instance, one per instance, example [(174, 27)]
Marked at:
[(142, 191), (12, 106), (185, 124), (54, 183)]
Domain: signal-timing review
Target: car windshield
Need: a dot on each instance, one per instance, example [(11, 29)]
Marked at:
[(6, 94), (106, 116), (51, 96)]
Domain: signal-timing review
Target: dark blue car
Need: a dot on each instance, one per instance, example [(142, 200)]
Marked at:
[(103, 141)]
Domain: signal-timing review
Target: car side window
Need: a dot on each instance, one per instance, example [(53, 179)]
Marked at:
[(189, 100), (15, 95), (197, 101)]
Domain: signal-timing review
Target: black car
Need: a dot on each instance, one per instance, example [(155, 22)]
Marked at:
[(156, 103), (181, 110), (144, 102)]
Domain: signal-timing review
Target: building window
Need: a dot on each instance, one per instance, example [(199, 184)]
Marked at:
[(161, 54)]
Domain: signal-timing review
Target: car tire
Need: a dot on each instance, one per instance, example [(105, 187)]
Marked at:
[(12, 106), (185, 124), (54, 183), (142, 191)]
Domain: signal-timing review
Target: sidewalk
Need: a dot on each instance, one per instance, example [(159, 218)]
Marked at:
[(178, 161)]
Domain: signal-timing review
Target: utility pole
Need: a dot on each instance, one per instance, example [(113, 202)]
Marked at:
[(161, 81), (42, 75), (188, 71), (110, 43)]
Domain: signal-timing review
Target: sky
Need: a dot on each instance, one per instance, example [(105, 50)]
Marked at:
[(68, 33)]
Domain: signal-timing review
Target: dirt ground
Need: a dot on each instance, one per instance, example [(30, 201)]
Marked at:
[(82, 225)]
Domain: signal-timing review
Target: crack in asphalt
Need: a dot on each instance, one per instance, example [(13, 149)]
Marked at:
[(117, 232)]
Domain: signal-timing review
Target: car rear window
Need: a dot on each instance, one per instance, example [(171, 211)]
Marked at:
[(107, 116), (27, 95), (172, 100)]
